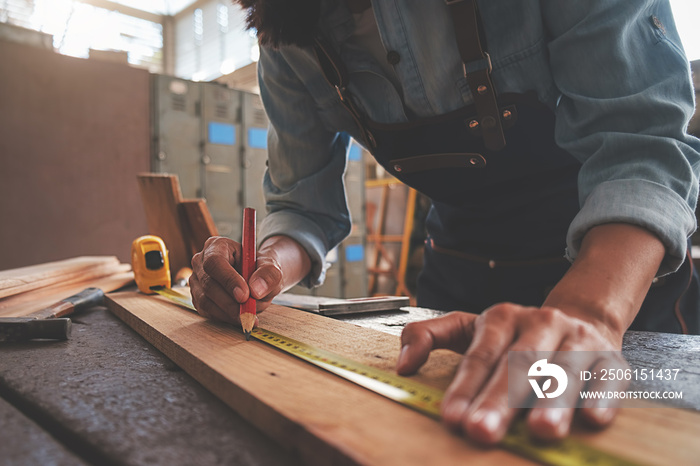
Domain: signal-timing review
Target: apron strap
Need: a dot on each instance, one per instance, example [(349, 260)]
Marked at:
[(477, 70), (336, 74)]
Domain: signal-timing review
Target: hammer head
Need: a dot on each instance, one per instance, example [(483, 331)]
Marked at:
[(22, 329)]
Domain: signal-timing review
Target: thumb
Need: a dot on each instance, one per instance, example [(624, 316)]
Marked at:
[(266, 281)]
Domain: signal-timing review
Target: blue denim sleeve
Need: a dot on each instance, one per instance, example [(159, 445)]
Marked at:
[(303, 185), (626, 100)]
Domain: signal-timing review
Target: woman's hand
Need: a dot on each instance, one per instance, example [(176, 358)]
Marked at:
[(218, 288), (587, 311), (477, 401)]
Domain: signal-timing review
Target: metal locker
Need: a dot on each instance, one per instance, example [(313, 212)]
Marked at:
[(354, 269), (176, 131), (215, 139), (253, 152), (221, 177)]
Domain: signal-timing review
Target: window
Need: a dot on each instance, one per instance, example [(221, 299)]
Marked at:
[(78, 27), (212, 41)]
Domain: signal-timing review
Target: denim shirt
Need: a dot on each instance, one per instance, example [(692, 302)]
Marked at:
[(613, 71)]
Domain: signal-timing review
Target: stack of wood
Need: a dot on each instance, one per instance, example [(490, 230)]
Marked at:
[(28, 289)]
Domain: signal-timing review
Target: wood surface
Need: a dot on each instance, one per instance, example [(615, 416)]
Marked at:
[(324, 419), (26, 303), (199, 223), (161, 198), (23, 279)]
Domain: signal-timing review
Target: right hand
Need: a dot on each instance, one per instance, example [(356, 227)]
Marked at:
[(217, 287)]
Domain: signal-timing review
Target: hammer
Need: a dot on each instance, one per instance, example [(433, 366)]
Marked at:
[(49, 323)]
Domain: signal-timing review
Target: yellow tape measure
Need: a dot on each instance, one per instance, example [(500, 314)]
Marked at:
[(421, 397)]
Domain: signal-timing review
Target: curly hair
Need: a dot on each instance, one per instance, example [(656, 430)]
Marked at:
[(283, 22)]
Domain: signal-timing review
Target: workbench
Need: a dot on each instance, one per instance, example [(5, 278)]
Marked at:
[(106, 396)]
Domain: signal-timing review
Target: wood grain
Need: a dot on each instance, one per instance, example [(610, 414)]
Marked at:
[(26, 303), (161, 198), (326, 420), (23, 279), (199, 223)]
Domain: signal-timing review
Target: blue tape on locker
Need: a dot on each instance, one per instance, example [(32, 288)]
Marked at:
[(257, 138), (222, 133), (354, 252)]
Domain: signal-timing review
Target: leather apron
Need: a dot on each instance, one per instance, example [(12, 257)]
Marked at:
[(503, 194)]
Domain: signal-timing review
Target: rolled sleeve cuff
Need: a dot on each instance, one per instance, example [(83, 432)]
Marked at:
[(642, 203), (306, 233)]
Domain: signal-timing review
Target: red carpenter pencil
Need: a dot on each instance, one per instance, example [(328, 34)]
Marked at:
[(247, 313)]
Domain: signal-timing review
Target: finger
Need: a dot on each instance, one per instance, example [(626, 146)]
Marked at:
[(205, 306), (495, 405), (194, 286), (601, 412), (452, 331), (551, 419), (210, 291), (215, 312), (494, 331), (219, 258)]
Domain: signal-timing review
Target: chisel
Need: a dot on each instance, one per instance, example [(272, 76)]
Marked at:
[(49, 323)]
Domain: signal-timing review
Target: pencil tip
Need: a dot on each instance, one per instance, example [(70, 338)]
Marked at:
[(247, 335)]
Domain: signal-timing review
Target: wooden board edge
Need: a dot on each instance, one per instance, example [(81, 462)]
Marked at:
[(289, 435)]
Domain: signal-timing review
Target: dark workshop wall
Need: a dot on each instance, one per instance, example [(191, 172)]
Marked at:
[(73, 135)]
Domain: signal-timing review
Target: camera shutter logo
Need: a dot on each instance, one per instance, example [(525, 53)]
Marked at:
[(543, 369)]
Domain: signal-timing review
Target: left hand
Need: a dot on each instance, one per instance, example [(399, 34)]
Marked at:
[(476, 401)]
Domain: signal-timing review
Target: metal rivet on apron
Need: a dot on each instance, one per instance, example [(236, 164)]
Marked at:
[(372, 141), (474, 161), (482, 89), (507, 114), (397, 168), (473, 124), (393, 57), (488, 122), (492, 264)]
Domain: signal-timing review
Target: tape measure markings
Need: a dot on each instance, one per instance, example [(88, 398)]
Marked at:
[(421, 397), (414, 394)]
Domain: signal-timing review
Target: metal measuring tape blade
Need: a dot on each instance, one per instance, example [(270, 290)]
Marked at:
[(422, 398)]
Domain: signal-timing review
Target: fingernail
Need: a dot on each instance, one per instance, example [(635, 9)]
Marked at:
[(602, 415), (239, 294), (454, 410), (402, 356), (258, 287), (553, 416), (489, 420)]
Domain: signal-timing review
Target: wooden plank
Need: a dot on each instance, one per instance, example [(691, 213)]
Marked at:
[(326, 420), (23, 279), (24, 304), (199, 223), (161, 197)]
